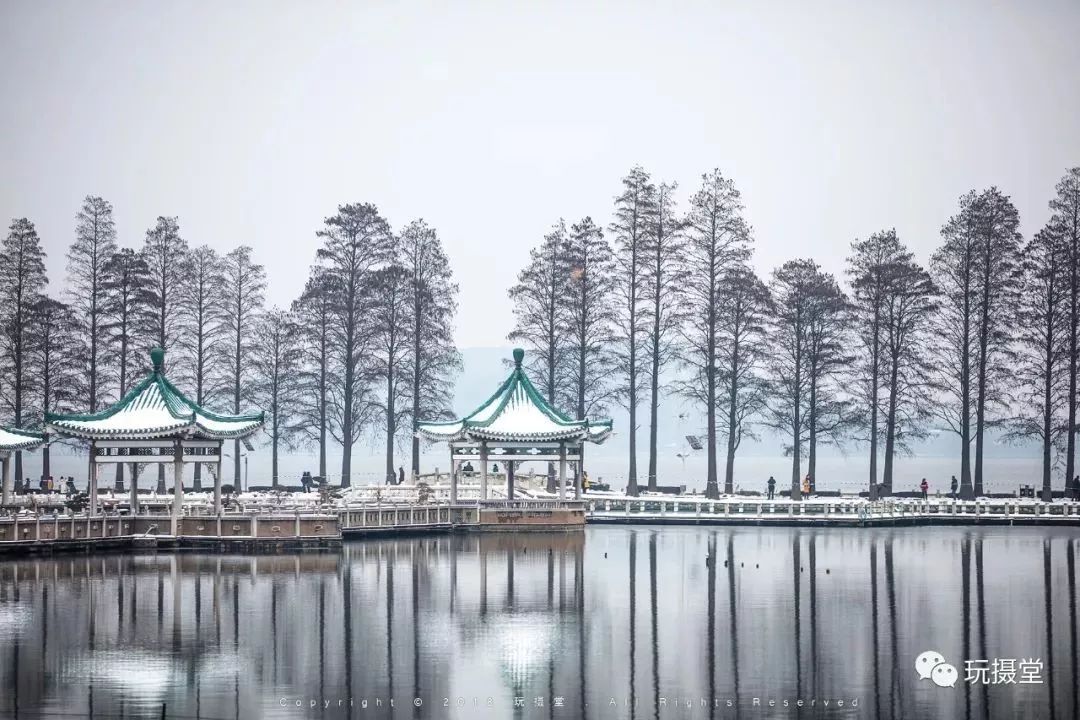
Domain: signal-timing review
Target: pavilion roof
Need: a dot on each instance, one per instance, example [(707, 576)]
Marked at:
[(12, 439), (154, 408), (516, 413)]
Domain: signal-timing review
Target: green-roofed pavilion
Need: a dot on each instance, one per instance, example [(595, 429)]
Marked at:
[(13, 440), (514, 425), (155, 423)]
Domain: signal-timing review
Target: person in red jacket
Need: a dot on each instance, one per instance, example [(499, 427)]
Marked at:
[(925, 487)]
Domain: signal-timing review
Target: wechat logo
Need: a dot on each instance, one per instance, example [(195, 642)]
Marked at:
[(931, 665)]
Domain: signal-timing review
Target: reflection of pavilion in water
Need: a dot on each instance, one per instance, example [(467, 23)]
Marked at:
[(781, 612), (223, 635)]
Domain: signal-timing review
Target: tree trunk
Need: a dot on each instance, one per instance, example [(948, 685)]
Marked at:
[(890, 422), (874, 359), (733, 400), (811, 458), (1048, 395), (711, 490), (1074, 307), (322, 411), (391, 428), (274, 456), (966, 490), (796, 460)]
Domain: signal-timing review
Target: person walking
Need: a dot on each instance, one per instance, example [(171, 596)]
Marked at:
[(771, 487), (401, 475), (925, 487), (953, 485), (806, 485)]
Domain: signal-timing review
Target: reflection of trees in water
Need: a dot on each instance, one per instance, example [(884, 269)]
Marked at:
[(220, 634)]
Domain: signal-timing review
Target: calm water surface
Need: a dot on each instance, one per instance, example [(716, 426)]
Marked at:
[(611, 623)]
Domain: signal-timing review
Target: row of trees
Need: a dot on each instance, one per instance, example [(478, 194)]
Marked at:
[(367, 346), (983, 339)]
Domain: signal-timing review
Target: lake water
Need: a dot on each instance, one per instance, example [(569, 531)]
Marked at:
[(615, 622)]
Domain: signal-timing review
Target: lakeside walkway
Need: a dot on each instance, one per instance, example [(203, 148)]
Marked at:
[(297, 520)]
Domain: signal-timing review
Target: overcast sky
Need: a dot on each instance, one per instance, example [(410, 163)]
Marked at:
[(253, 121)]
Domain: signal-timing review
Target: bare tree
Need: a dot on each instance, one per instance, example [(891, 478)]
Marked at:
[(791, 287), (955, 271), (245, 285), (664, 246), (391, 353), (128, 300), (1042, 372), (356, 242), (868, 271), (22, 281), (717, 241), (95, 243), (589, 316), (997, 226), (274, 367), (539, 299), (1066, 216), (165, 254), (201, 297), (57, 360), (633, 207), (314, 313), (830, 412), (742, 348), (910, 307), (433, 303)]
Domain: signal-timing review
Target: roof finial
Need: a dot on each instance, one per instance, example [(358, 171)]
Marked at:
[(519, 355), (157, 356)]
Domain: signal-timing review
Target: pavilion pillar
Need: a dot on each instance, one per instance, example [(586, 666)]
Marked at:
[(134, 487), (562, 472), (5, 462), (453, 478), (95, 466), (509, 479), (178, 486), (580, 471), (483, 470), (217, 478)]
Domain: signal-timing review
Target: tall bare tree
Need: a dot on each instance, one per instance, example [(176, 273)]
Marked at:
[(165, 254), (22, 281), (433, 303), (633, 207), (314, 313), (742, 349), (911, 304), (664, 246), (955, 271), (356, 242), (867, 269), (95, 243), (792, 288), (831, 414), (539, 299), (589, 316), (275, 363), (1042, 371), (128, 300), (245, 285), (391, 354), (997, 226), (57, 360), (202, 296), (1065, 208), (717, 241)]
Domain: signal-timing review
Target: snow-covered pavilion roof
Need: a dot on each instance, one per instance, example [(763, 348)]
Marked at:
[(154, 408), (13, 439), (516, 413)]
